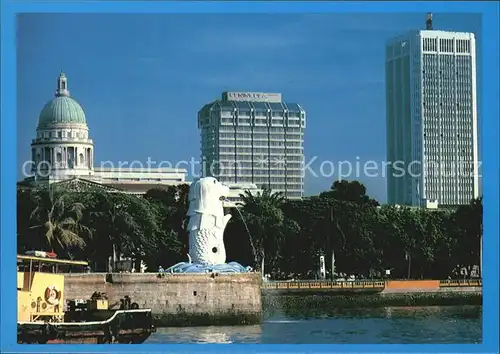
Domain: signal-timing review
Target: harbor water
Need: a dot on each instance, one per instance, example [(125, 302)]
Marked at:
[(387, 325)]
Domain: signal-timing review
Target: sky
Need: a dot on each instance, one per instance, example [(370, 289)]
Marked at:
[(141, 79)]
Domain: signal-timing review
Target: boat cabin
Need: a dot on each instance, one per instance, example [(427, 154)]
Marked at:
[(40, 287)]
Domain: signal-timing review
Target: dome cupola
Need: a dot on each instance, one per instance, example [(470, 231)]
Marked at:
[(62, 109)]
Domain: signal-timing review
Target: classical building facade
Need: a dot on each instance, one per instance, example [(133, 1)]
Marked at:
[(63, 150)]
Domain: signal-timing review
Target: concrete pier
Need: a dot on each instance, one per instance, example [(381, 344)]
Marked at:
[(178, 299)]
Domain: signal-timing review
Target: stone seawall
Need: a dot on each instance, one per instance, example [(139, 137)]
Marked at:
[(178, 299), (464, 289), (439, 297)]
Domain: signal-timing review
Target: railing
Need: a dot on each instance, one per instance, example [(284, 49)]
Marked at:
[(306, 285), (360, 284), (457, 283)]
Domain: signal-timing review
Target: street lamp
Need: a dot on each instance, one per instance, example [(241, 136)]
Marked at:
[(331, 242), (112, 264)]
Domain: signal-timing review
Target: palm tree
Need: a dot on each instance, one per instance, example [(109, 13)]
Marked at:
[(265, 218), (59, 218), (249, 200)]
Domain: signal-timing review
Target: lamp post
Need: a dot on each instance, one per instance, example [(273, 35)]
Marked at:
[(331, 242), (333, 265), (112, 263)]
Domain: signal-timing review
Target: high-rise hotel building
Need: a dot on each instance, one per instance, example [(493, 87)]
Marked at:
[(432, 142), (250, 137)]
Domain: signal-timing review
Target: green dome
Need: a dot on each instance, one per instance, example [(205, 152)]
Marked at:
[(62, 109)]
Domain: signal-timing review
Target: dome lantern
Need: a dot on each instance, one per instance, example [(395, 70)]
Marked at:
[(62, 86)]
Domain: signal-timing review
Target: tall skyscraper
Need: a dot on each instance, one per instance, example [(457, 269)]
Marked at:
[(249, 137), (432, 143)]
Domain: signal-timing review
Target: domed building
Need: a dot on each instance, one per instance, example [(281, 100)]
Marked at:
[(63, 151), (62, 148)]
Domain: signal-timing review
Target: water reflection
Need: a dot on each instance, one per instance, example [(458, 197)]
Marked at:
[(319, 324), (212, 335), (208, 335), (320, 307)]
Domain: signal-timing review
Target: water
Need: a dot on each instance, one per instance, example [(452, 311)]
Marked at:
[(390, 325), (248, 231)]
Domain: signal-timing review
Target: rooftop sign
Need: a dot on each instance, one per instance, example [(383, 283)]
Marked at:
[(252, 96)]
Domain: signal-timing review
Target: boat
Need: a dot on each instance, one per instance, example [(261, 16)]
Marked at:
[(42, 318)]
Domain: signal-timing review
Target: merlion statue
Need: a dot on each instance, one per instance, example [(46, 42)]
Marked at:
[(206, 225), (207, 221)]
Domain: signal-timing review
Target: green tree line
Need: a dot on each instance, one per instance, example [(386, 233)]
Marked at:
[(283, 237)]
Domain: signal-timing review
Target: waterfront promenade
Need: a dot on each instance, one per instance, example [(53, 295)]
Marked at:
[(374, 286), (371, 293)]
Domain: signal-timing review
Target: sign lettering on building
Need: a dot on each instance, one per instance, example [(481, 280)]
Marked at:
[(252, 96)]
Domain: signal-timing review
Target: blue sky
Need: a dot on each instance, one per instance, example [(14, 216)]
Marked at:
[(141, 78)]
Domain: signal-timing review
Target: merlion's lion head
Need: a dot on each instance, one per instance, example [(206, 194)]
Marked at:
[(206, 196)]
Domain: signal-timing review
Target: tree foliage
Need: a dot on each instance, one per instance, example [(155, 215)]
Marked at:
[(56, 217), (285, 237)]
